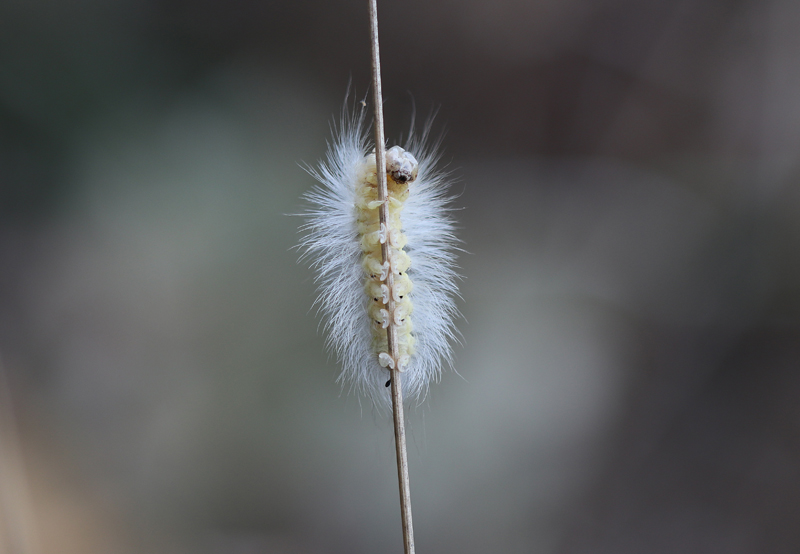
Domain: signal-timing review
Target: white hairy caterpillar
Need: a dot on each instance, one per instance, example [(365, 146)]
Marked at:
[(342, 240)]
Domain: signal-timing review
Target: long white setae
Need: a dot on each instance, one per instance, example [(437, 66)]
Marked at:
[(342, 241)]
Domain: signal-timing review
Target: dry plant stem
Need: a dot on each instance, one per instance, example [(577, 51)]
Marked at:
[(397, 391)]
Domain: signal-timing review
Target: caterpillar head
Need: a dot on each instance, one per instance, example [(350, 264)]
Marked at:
[(401, 165)]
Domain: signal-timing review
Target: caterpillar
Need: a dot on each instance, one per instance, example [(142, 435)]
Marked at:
[(342, 240)]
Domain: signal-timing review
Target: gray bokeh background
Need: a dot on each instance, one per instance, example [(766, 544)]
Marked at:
[(628, 173)]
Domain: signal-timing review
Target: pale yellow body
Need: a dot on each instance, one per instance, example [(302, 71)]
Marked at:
[(372, 235)]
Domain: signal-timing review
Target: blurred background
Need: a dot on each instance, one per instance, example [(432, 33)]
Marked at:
[(630, 374)]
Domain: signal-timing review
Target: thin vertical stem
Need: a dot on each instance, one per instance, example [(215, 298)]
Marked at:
[(397, 391)]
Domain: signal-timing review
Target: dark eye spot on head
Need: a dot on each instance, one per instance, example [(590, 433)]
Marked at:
[(389, 382), (375, 299), (401, 297)]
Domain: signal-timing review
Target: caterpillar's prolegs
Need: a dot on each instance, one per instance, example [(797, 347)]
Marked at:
[(390, 301)]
